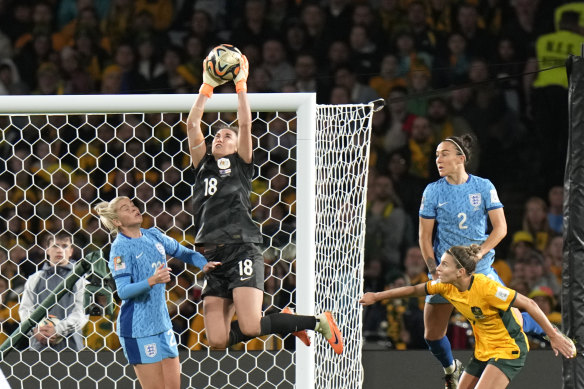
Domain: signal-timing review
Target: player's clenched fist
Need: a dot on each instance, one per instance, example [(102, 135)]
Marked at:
[(161, 275)]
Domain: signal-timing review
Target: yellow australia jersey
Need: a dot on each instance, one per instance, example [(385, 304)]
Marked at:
[(487, 306)]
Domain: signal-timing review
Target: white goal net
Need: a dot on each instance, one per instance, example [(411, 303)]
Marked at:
[(60, 155)]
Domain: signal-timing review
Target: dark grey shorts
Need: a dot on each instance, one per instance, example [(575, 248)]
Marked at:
[(241, 265)]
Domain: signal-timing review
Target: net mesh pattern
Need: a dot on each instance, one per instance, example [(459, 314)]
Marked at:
[(55, 168)]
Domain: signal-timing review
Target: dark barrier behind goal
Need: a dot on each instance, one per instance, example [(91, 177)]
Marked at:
[(573, 265), (383, 370)]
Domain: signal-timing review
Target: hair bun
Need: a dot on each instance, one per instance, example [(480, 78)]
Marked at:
[(474, 249)]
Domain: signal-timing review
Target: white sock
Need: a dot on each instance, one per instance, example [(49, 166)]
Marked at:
[(317, 327), (450, 369)]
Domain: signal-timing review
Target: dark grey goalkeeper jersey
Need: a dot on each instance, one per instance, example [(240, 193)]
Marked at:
[(221, 202)]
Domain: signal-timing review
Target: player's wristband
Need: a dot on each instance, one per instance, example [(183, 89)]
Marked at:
[(241, 86), (206, 90)]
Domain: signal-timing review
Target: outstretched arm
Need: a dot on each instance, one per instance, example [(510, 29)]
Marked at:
[(177, 250), (404, 291), (558, 341)]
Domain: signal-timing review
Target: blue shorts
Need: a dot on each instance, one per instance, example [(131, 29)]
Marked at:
[(150, 349), (438, 299)]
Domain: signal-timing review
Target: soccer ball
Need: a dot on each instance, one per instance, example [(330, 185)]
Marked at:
[(223, 62)]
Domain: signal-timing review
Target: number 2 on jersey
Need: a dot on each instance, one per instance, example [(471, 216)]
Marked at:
[(462, 217), (210, 186)]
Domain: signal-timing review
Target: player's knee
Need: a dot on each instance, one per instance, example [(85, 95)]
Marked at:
[(218, 345), (250, 330), (217, 342), (431, 334)]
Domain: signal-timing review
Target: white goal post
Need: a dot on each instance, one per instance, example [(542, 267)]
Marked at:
[(331, 156)]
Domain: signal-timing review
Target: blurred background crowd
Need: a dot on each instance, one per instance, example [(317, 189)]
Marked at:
[(491, 68)]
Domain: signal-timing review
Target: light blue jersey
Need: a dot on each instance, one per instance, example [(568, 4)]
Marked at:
[(461, 214), (132, 261)]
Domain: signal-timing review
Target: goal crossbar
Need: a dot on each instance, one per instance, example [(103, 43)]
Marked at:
[(71, 104)]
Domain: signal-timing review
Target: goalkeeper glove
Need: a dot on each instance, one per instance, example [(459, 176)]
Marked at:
[(241, 79), (209, 81)]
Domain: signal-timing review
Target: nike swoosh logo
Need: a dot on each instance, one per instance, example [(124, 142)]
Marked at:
[(139, 255), (244, 278), (441, 204), (336, 339)]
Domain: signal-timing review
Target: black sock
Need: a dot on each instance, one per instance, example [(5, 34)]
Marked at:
[(276, 323), (284, 324)]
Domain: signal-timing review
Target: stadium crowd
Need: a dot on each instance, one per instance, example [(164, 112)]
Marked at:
[(444, 68)]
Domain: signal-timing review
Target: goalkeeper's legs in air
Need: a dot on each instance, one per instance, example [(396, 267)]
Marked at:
[(246, 303)]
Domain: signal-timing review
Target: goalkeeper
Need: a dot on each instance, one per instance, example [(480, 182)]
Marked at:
[(228, 235)]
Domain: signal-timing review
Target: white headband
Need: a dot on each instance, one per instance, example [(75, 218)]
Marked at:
[(457, 145)]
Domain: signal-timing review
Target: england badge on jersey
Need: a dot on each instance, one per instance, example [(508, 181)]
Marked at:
[(150, 350), (475, 200), (119, 263), (160, 249)]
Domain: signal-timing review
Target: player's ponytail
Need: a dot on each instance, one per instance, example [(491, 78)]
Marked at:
[(106, 210)]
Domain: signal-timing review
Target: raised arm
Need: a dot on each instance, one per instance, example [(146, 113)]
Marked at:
[(244, 143), (197, 147), (404, 291), (425, 240)]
